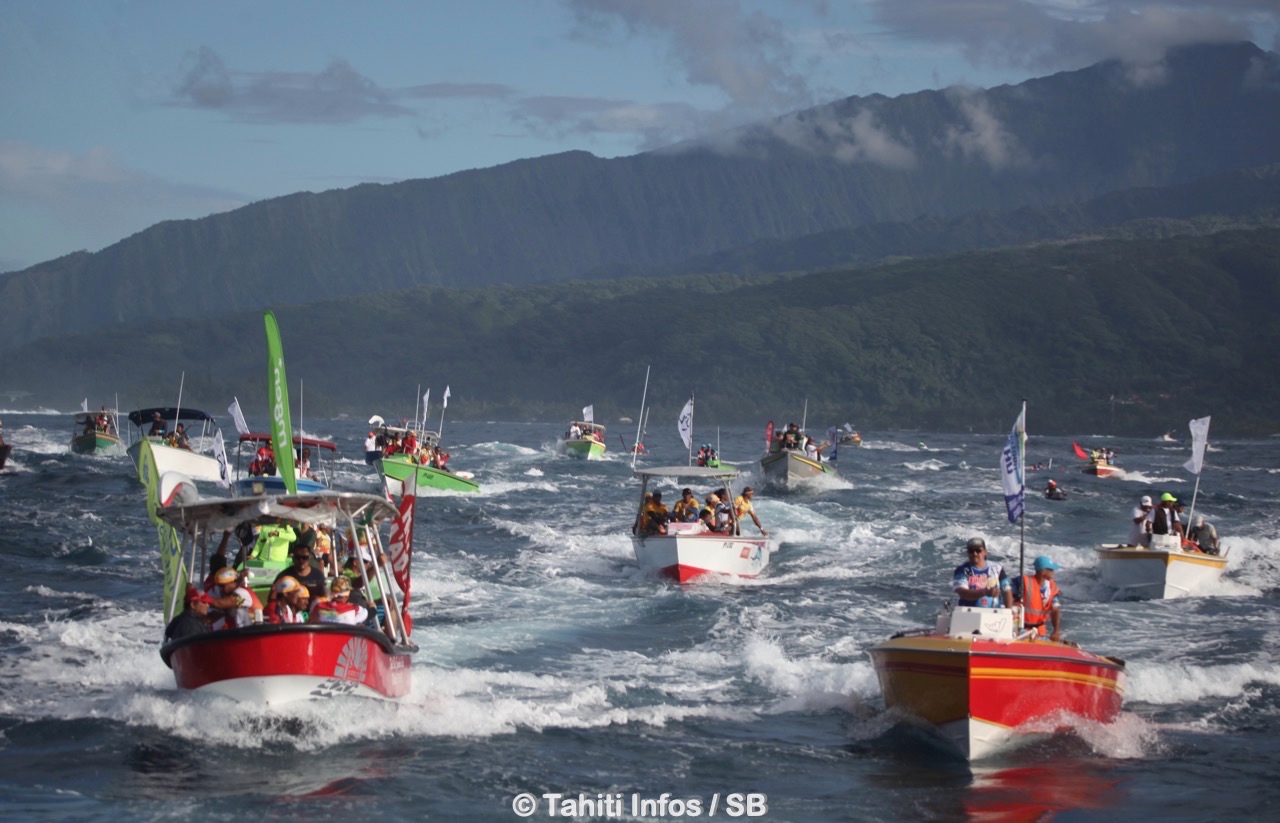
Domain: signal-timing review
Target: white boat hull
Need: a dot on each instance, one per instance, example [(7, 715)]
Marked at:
[(170, 459), (684, 557), (1156, 574)]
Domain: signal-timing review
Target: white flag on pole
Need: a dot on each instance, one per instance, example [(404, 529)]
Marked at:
[(1011, 462), (220, 454), (237, 416), (1199, 429), (685, 424), (84, 405), (444, 400), (588, 413)]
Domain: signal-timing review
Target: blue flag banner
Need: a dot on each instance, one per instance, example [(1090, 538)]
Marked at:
[(1011, 463)]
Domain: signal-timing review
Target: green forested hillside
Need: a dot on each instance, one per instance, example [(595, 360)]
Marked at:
[(932, 155), (1127, 336)]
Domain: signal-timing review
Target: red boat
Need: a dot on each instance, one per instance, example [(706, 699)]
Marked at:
[(982, 685), (280, 663)]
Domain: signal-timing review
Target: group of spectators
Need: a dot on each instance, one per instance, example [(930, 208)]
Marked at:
[(715, 513)]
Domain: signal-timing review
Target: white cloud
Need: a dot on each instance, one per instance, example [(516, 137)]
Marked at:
[(982, 136), (91, 196)]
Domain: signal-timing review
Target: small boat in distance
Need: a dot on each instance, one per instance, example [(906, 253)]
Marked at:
[(584, 440), (96, 432), (684, 551), (427, 461), (1101, 461), (166, 447), (786, 461)]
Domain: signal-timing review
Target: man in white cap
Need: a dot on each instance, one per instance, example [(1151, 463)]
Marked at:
[(1038, 596), (1140, 532)]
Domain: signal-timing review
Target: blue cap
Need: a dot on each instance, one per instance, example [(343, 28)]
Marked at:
[(1043, 562)]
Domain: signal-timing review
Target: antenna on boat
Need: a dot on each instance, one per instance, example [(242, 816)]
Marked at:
[(635, 449), (178, 413), (417, 397), (804, 418)]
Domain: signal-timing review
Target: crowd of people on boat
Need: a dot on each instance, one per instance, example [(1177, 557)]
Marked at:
[(793, 439), (983, 583), (707, 456), (714, 514), (578, 431), (1149, 519), (385, 443), (319, 584), (99, 423), (264, 462)]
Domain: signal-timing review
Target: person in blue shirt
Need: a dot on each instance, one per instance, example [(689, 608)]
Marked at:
[(981, 582)]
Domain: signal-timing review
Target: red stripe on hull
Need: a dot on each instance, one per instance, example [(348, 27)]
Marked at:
[(325, 651), (945, 680)]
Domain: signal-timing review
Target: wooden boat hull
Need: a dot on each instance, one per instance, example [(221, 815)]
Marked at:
[(277, 664), (97, 443), (981, 693), (169, 459), (1156, 574), (586, 449), (684, 557), (782, 468), (1101, 470), (397, 468)]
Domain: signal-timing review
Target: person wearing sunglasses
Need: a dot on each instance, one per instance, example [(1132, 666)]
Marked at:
[(979, 581)]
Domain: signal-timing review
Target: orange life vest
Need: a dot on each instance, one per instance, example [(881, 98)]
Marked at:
[(1035, 610)]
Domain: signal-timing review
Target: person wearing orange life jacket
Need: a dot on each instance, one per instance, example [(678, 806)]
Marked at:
[(1038, 596)]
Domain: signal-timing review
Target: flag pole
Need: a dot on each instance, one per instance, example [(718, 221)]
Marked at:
[(1022, 474), (693, 408), (635, 449)]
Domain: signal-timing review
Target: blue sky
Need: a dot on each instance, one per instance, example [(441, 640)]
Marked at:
[(118, 114)]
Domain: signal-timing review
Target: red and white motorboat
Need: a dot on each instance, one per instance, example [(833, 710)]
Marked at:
[(690, 550), (281, 663), (1100, 469), (982, 684)]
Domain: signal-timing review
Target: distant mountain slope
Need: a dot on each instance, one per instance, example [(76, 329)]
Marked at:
[(1124, 336), (1059, 139), (1241, 197)]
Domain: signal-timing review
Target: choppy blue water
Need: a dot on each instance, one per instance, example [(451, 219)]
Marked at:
[(550, 665)]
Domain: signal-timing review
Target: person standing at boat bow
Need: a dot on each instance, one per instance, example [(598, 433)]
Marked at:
[(980, 582), (1038, 596)]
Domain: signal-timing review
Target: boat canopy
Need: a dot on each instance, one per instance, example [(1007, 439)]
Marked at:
[(264, 437), (141, 417), (317, 508), (692, 472)]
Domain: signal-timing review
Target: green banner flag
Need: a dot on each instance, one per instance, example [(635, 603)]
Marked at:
[(175, 574), (278, 406)]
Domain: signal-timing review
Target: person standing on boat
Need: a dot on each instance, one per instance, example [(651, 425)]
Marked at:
[(1140, 532), (274, 540), (1204, 536), (192, 620), (1164, 520), (1038, 596), (157, 425), (980, 582), (656, 515), (792, 438), (372, 451), (742, 507)]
